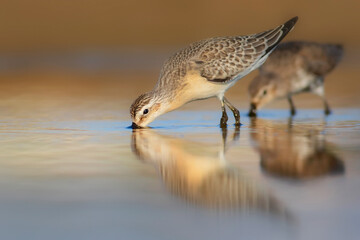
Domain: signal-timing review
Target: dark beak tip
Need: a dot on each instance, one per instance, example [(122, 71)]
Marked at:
[(135, 126), (252, 111)]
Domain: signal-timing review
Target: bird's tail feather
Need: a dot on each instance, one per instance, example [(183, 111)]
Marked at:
[(274, 36)]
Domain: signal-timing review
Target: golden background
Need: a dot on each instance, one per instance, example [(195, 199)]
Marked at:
[(39, 25), (108, 52)]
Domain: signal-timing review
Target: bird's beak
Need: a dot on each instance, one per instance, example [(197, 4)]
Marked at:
[(135, 126), (252, 111)]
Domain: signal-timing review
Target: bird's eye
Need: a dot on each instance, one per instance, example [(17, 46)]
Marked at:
[(146, 111), (265, 92)]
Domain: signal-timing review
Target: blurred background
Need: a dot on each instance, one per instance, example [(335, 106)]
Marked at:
[(105, 53)]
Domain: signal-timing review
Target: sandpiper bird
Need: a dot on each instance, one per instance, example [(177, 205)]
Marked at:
[(206, 69), (294, 67)]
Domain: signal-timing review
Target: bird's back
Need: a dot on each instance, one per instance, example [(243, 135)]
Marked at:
[(223, 59), (174, 67), (315, 58)]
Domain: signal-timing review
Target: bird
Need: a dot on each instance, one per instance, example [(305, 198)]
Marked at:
[(294, 67), (205, 69)]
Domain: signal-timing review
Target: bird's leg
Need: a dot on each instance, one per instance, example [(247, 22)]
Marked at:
[(224, 117), (319, 90), (292, 106), (235, 112), (327, 109)]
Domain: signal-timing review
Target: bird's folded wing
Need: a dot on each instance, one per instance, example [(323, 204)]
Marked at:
[(225, 59)]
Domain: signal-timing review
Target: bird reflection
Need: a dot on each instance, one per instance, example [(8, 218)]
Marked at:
[(294, 151), (200, 174)]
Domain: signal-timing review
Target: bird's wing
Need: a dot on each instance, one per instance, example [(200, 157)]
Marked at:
[(226, 59), (320, 59), (315, 58)]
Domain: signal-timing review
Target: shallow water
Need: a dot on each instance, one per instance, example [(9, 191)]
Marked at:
[(67, 174)]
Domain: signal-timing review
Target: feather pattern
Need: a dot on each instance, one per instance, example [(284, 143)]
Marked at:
[(316, 59), (223, 59)]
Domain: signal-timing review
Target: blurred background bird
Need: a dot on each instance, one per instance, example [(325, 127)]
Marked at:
[(294, 67)]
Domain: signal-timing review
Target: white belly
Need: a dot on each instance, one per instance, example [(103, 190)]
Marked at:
[(201, 88), (301, 81)]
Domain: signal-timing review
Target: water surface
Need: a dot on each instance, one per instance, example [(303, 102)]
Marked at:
[(68, 173)]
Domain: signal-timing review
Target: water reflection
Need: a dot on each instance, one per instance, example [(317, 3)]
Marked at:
[(294, 151), (200, 174)]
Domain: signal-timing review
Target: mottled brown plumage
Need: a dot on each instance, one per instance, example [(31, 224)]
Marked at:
[(207, 69), (316, 58), (136, 106), (222, 59), (294, 67)]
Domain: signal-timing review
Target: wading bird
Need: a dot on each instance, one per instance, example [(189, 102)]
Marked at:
[(206, 69), (294, 67)]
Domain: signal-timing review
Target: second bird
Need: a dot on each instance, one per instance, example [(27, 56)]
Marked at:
[(206, 69), (294, 67)]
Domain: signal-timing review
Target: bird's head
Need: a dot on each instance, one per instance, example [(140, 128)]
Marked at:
[(146, 108), (262, 90)]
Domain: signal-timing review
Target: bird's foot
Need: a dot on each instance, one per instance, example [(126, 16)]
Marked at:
[(223, 121), (223, 124), (252, 114), (237, 124), (327, 111)]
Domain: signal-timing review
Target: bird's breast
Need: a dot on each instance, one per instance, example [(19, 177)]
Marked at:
[(199, 87), (195, 87)]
